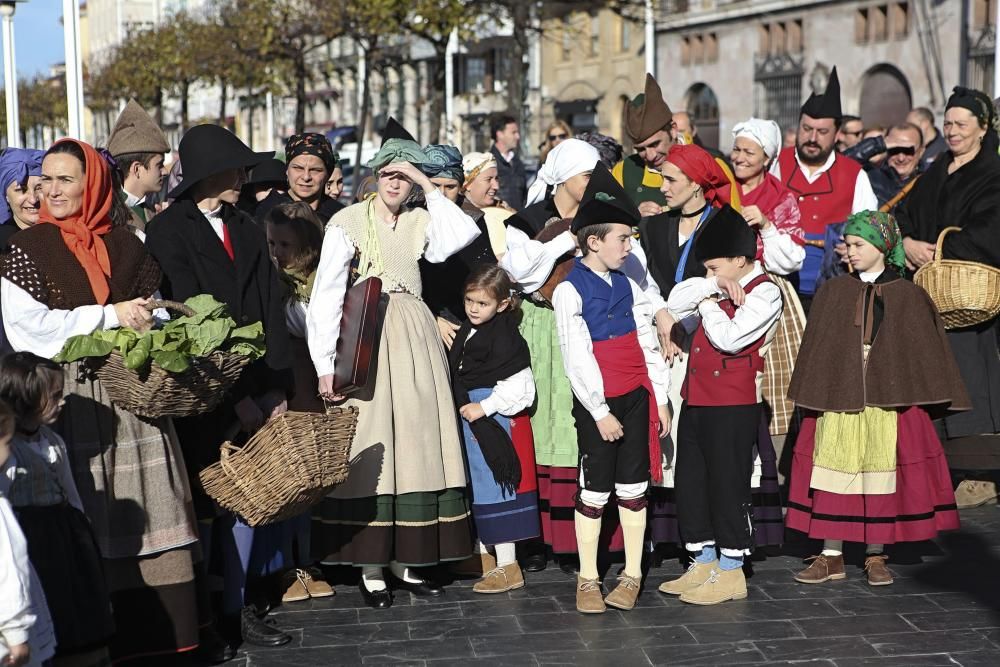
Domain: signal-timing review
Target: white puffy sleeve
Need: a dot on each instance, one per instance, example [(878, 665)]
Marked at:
[(782, 254), (16, 616), (656, 367), (326, 303), (530, 262), (449, 230), (636, 267), (578, 351), (31, 325), (864, 196), (511, 395)]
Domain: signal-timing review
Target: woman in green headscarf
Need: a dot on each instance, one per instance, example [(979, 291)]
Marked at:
[(868, 465), (403, 504)]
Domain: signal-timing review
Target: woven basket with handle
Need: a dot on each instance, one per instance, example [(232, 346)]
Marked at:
[(153, 392), (965, 293), (285, 468)]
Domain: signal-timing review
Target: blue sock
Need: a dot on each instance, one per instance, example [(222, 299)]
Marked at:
[(707, 554), (730, 563)]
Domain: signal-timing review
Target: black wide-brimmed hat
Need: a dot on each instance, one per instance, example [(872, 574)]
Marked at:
[(206, 150), (726, 234), (269, 171), (604, 202)]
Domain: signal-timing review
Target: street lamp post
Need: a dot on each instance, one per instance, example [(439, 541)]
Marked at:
[(74, 68), (10, 71)]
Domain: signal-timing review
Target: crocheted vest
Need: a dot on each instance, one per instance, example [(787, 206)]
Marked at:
[(40, 263), (402, 245)]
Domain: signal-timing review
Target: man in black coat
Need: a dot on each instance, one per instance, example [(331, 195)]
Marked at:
[(205, 245), (510, 170)]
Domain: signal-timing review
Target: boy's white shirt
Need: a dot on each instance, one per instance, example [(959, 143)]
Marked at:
[(577, 347), (688, 304)]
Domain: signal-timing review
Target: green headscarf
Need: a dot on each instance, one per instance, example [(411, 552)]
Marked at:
[(879, 229), (398, 150)]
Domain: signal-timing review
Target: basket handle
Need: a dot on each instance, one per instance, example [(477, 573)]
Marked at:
[(940, 241), (177, 306)]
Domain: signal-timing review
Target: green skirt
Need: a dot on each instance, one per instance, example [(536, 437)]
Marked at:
[(551, 417), (414, 529)]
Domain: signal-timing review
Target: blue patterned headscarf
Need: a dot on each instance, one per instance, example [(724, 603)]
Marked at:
[(16, 164), (443, 161)]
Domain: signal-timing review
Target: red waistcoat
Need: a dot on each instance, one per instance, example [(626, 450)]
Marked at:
[(717, 378), (829, 198)]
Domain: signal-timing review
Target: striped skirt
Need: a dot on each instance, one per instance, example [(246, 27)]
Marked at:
[(922, 505)]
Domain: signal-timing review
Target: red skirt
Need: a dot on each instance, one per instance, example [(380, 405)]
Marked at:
[(557, 489), (923, 504)]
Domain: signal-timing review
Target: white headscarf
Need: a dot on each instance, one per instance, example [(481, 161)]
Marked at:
[(569, 158), (765, 133), (474, 163)]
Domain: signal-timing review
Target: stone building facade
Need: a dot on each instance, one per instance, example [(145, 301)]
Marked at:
[(725, 60)]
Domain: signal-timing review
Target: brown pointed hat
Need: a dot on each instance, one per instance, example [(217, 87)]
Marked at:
[(647, 113), (136, 132)]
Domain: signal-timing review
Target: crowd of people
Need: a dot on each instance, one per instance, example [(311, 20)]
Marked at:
[(616, 359)]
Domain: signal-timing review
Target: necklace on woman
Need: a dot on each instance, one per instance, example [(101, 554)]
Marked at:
[(694, 214)]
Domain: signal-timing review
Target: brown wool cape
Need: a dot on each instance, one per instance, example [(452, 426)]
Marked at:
[(910, 361)]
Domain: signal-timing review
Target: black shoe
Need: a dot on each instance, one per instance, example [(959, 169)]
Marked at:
[(569, 565), (376, 599), (424, 589), (535, 562), (212, 648), (258, 632)]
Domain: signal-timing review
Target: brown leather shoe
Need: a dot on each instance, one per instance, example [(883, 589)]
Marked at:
[(476, 565), (625, 593), (500, 580), (588, 596), (878, 573), (822, 569)]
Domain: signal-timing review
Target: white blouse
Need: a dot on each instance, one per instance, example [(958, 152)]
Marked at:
[(578, 348), (448, 231), (510, 395), (782, 255), (687, 303)]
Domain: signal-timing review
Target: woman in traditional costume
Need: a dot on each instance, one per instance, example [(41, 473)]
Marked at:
[(80, 270), (404, 503), (868, 465)]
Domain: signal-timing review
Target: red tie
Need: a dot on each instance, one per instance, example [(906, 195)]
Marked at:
[(227, 243)]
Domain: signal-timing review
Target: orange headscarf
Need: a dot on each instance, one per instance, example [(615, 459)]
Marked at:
[(83, 230)]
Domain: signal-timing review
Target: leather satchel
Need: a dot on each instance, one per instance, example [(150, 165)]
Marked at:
[(360, 331), (553, 228)]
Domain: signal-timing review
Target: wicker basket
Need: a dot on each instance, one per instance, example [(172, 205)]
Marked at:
[(285, 468), (154, 392), (965, 293)]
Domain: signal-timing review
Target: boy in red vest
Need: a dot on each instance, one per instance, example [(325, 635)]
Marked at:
[(619, 382), (736, 309)]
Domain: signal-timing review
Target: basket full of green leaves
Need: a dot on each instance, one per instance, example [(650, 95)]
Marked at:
[(181, 369)]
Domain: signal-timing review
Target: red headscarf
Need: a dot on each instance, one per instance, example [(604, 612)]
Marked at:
[(699, 165), (83, 230)]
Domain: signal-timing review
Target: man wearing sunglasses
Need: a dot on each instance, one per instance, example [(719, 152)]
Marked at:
[(903, 146)]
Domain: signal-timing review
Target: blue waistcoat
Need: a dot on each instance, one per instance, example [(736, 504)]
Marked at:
[(607, 309)]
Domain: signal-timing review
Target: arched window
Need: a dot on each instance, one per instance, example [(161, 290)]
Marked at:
[(703, 106), (885, 96)]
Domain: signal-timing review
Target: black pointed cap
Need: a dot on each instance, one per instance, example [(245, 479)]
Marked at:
[(604, 201), (393, 130), (726, 234), (826, 105)]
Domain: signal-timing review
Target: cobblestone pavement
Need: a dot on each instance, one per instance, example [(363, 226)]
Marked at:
[(943, 609)]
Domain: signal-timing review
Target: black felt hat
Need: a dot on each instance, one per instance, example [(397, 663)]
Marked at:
[(726, 234), (393, 130), (826, 105), (270, 171), (207, 150), (604, 201)]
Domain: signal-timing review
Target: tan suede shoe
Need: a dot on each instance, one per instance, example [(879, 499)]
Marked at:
[(295, 588), (625, 593), (697, 573), (721, 586), (588, 596), (312, 579), (878, 573), (476, 565), (822, 569), (500, 580)]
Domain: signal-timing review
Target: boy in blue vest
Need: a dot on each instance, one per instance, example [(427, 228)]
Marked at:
[(736, 309), (619, 382)]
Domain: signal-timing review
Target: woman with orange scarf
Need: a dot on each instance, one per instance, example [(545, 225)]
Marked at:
[(79, 270)]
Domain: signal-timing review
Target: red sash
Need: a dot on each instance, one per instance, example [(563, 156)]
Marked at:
[(623, 368)]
